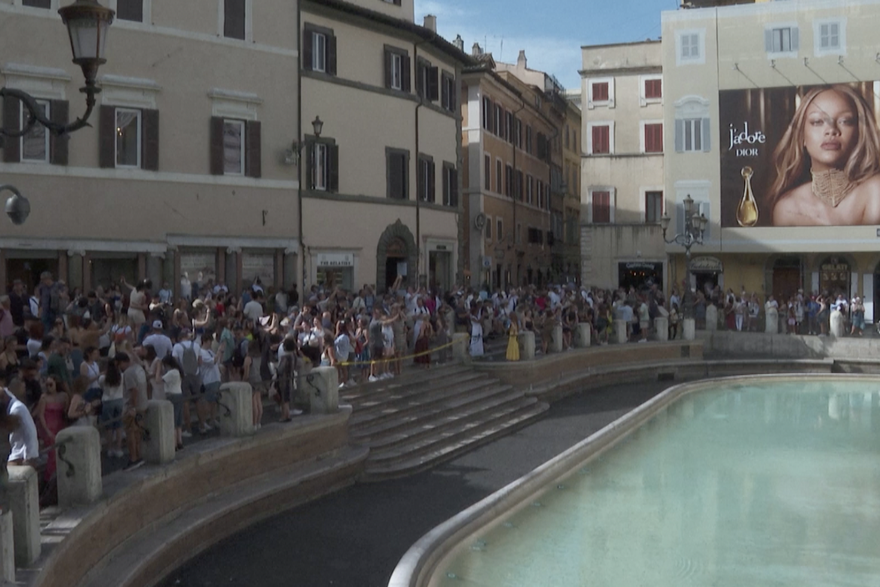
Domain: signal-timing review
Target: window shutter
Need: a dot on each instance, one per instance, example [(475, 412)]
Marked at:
[(233, 21), (216, 146), (308, 42), (432, 183), (107, 137), (795, 41), (253, 155), (388, 69), (150, 138), (393, 178), (333, 167), (331, 54), (58, 146), (444, 93), (310, 166), (490, 115), (679, 136), (453, 189), (420, 79), (768, 40), (433, 83), (706, 135), (447, 191), (406, 76), (11, 121)]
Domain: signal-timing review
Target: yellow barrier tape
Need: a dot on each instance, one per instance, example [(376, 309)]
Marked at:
[(390, 359)]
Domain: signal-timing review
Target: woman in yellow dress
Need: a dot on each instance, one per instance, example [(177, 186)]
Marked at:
[(512, 341)]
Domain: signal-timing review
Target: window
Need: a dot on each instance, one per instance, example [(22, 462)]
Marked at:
[(829, 37), (530, 188), (600, 135), (653, 207), (575, 146), (529, 139), (781, 39), (319, 49), (499, 229), (653, 137), (489, 228), (600, 92), (134, 10), (427, 81), (689, 47), (497, 124), (450, 185), (508, 181), (499, 182), (601, 207), (37, 3), (397, 173), (234, 19), (566, 137), (35, 144), (487, 172), (535, 236), (447, 92), (128, 137), (397, 69), (487, 114), (540, 194), (508, 126), (233, 147), (517, 129), (691, 135), (425, 179), (653, 89), (322, 166), (519, 186)]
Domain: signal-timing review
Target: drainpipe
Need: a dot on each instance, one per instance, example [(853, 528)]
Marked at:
[(418, 202), (299, 163)]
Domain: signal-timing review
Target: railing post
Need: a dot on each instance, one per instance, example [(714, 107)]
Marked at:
[(236, 409), (526, 345), (322, 386), (79, 466), (7, 548), (460, 342), (583, 335), (24, 502), (159, 447)]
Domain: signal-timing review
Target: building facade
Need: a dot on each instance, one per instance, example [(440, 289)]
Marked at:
[(622, 144), (748, 98), (571, 182), (507, 152), (380, 191)]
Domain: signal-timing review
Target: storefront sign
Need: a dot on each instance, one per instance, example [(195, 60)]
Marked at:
[(707, 264), (643, 266), (335, 260)]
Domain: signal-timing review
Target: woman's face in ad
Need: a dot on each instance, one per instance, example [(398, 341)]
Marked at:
[(830, 130)]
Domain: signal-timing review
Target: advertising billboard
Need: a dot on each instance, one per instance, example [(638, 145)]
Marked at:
[(800, 156)]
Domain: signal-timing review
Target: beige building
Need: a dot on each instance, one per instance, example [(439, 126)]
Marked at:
[(622, 141), (507, 151), (179, 173), (737, 78), (381, 183)]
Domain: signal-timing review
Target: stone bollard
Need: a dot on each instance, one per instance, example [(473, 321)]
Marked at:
[(322, 386), (661, 328), (838, 323), (554, 345), (620, 331), (771, 321), (461, 347), (24, 502), (236, 409), (582, 335), (689, 329), (159, 422), (711, 318), (526, 340), (7, 549), (79, 466)]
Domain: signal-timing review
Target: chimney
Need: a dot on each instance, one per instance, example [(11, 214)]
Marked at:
[(459, 43), (476, 51), (431, 22), (521, 61)]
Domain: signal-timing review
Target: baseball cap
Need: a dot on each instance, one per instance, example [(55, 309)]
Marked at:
[(157, 324)]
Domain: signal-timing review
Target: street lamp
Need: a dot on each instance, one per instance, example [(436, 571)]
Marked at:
[(292, 155), (87, 23), (694, 227)]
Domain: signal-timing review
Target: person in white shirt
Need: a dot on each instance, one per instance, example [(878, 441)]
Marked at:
[(158, 340), (23, 440), (211, 377), (254, 308), (171, 378)]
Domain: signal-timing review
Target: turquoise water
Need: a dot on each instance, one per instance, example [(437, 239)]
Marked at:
[(759, 485)]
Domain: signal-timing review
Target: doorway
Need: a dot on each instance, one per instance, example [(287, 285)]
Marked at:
[(29, 270), (786, 277)]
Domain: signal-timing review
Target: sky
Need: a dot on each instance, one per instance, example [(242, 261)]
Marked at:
[(551, 31)]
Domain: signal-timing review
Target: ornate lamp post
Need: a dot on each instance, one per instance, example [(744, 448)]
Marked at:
[(694, 227), (87, 24)]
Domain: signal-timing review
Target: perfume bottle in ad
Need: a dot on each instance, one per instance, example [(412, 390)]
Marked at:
[(747, 210)]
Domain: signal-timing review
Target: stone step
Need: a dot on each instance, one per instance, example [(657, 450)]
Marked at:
[(447, 436), (412, 429), (414, 402), (476, 436), (150, 555), (410, 375), (369, 402), (413, 426)]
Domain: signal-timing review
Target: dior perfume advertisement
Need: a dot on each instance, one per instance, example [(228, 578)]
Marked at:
[(805, 156)]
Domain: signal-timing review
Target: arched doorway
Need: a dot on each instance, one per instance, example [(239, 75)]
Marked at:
[(396, 255)]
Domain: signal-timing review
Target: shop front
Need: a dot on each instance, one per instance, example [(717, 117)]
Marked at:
[(335, 269), (441, 265), (640, 274), (706, 273)]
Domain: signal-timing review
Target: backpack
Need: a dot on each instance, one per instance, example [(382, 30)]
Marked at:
[(238, 355), (190, 360), (55, 300)]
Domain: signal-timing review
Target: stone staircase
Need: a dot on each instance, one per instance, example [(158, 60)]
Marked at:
[(422, 418)]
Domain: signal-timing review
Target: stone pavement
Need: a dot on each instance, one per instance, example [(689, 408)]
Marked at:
[(354, 538)]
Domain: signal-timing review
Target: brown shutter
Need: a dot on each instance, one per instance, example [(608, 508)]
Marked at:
[(433, 83), (150, 159), (446, 186), (453, 198), (58, 146), (432, 183), (310, 165), (444, 93), (333, 166), (420, 79), (490, 114), (308, 41), (11, 121), (388, 68), (393, 179), (107, 137), (331, 54), (406, 65), (216, 146), (252, 154)]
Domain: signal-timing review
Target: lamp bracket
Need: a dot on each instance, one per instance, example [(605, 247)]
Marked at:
[(36, 115)]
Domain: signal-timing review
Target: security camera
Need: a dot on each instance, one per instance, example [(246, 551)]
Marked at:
[(18, 208)]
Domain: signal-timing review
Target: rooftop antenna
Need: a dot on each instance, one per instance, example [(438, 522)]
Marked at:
[(501, 50)]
